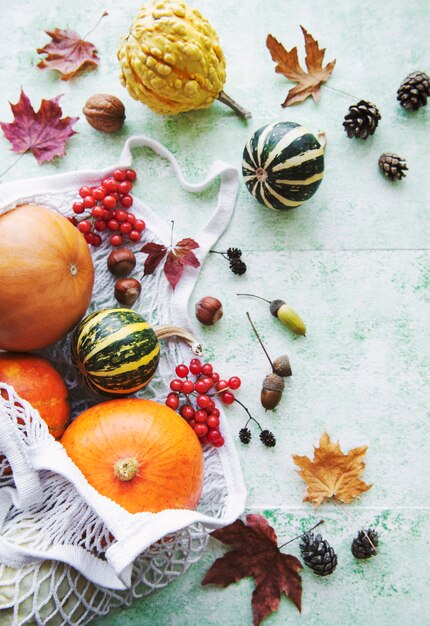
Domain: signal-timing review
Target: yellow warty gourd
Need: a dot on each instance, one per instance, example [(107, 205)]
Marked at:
[(172, 61)]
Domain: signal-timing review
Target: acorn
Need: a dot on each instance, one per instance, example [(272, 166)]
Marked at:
[(271, 392), (282, 366), (273, 384), (284, 313)]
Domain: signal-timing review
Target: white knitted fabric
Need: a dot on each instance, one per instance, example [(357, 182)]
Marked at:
[(67, 553)]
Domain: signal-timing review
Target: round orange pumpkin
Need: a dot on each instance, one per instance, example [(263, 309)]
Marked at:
[(46, 277), (139, 453), (37, 381)]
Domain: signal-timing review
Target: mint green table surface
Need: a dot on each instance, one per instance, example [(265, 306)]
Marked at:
[(354, 261)]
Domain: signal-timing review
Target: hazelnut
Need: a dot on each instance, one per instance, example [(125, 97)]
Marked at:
[(121, 262), (209, 310), (104, 112), (127, 290)]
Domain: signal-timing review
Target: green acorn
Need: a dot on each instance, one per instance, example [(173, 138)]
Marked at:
[(284, 313)]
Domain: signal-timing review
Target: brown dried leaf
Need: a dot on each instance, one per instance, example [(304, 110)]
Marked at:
[(308, 83), (257, 554), (332, 473), (68, 53)]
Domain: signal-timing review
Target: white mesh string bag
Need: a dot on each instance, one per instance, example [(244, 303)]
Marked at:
[(67, 553)]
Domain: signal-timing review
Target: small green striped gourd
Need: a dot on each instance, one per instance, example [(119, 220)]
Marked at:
[(283, 165), (116, 351)]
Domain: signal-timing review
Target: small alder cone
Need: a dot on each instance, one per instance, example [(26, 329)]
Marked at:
[(392, 165), (104, 112), (414, 91)]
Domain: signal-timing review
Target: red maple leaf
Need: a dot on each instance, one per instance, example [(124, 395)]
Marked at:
[(257, 554), (44, 133), (177, 257), (67, 53)]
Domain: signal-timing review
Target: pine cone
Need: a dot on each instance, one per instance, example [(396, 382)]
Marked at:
[(268, 438), (361, 547), (245, 435), (392, 165), (414, 91), (237, 266), (361, 120), (318, 554), (234, 253)]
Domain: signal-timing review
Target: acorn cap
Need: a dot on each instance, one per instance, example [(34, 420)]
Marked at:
[(281, 366), (275, 305), (273, 382)]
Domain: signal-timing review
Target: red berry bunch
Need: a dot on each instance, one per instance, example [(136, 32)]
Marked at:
[(193, 393), (105, 209)]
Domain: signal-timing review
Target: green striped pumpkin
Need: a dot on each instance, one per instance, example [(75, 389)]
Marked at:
[(283, 165), (116, 351)]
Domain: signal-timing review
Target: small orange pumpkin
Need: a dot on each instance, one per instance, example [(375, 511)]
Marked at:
[(37, 381), (139, 453), (46, 277)]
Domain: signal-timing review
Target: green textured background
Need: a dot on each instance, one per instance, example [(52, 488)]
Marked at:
[(354, 261)]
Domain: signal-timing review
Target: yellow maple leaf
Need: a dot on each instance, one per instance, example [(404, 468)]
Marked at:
[(332, 473)]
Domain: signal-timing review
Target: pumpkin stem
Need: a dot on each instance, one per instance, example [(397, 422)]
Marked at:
[(126, 469), (225, 99), (163, 332)]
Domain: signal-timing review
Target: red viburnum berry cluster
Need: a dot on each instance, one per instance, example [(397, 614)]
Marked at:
[(194, 398), (104, 209)]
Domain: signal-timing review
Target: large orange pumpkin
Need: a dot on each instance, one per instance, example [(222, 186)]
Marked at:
[(139, 453), (37, 381), (46, 277)]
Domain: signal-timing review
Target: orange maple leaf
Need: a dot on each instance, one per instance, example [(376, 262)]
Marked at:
[(308, 83), (332, 473)]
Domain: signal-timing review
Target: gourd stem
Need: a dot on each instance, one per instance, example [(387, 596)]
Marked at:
[(126, 469), (164, 332), (237, 108)]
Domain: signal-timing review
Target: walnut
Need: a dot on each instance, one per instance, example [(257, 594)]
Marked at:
[(104, 112)]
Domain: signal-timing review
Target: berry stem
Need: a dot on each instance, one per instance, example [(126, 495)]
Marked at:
[(94, 27), (302, 535), (259, 339), (250, 416), (223, 254)]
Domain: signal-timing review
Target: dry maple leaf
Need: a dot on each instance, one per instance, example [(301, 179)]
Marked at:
[(332, 473), (178, 256), (68, 53), (44, 133), (257, 554), (308, 83)]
